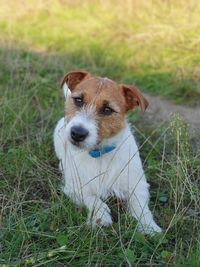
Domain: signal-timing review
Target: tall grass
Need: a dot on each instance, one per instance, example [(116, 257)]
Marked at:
[(158, 50)]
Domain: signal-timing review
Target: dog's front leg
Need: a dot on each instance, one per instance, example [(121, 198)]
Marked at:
[(99, 212), (138, 206)]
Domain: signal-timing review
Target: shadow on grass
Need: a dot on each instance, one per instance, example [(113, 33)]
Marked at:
[(179, 87)]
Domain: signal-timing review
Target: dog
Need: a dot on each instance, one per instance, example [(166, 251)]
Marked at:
[(98, 154)]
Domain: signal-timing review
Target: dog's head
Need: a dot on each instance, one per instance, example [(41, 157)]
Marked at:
[(95, 107)]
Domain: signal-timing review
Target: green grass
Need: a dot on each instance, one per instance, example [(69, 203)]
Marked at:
[(153, 44), (39, 225)]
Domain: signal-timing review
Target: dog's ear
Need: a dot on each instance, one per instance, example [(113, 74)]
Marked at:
[(133, 97), (73, 78)]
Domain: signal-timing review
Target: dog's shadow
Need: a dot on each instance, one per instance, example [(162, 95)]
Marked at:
[(117, 206)]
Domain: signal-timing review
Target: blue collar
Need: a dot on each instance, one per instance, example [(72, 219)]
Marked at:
[(96, 153)]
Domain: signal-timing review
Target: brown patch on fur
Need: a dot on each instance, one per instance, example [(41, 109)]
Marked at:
[(97, 91), (134, 97), (73, 78)]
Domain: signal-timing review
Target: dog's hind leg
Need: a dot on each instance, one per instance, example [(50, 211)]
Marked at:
[(99, 212)]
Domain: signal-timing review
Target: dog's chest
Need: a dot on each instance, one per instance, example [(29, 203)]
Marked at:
[(91, 170), (108, 172)]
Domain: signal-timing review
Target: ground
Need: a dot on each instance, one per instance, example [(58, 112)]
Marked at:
[(153, 44), (161, 110)]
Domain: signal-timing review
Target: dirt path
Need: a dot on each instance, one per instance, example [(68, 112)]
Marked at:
[(160, 110)]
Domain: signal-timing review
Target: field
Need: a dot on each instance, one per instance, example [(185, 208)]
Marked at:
[(154, 44)]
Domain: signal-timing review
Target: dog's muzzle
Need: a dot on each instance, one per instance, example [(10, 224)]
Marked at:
[(78, 134)]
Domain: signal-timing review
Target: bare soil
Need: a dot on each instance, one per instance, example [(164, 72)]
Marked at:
[(160, 110)]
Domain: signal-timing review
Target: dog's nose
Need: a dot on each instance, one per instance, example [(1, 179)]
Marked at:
[(78, 133)]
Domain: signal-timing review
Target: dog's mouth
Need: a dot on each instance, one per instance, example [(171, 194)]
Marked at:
[(84, 145), (77, 144)]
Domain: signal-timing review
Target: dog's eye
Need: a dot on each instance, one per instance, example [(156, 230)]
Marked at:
[(107, 111), (78, 101)]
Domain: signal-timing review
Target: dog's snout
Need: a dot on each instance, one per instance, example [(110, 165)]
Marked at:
[(78, 133)]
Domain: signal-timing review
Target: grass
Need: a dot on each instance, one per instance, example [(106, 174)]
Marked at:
[(153, 44), (39, 226)]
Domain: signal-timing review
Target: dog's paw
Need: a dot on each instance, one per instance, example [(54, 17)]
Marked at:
[(150, 229), (104, 220), (101, 217)]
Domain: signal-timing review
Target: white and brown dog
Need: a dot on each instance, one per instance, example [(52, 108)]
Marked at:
[(97, 152)]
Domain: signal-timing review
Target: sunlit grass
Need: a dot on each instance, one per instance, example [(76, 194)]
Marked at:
[(154, 44)]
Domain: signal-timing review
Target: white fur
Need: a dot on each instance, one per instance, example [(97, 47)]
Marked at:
[(66, 91), (91, 180), (86, 119)]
